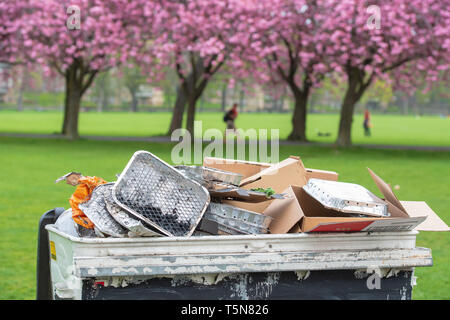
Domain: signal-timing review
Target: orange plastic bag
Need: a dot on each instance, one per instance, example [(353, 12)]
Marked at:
[(82, 194)]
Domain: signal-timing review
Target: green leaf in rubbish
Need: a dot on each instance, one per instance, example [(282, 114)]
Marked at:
[(268, 191)]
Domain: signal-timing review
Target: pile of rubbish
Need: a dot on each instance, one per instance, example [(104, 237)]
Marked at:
[(226, 197)]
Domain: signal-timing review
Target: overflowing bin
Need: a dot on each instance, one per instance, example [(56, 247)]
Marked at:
[(231, 230), (284, 266)]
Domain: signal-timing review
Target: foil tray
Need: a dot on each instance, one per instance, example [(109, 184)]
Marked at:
[(135, 226), (238, 225), (246, 216), (95, 210), (207, 176), (346, 197), (192, 172), (227, 177), (160, 195)]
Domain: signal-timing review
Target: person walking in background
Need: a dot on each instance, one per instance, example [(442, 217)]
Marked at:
[(230, 116), (366, 123)]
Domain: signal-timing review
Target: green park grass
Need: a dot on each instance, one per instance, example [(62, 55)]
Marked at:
[(387, 129), (30, 166)]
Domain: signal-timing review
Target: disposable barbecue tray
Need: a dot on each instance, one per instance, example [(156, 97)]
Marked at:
[(243, 215), (136, 227), (206, 176), (228, 177), (346, 197), (238, 225), (161, 196), (239, 220), (95, 210)]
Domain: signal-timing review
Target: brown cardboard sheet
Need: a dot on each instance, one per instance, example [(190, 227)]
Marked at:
[(321, 174), (245, 168), (278, 177), (303, 210), (290, 171)]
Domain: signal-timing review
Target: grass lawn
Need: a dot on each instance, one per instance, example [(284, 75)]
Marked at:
[(388, 129), (30, 166)]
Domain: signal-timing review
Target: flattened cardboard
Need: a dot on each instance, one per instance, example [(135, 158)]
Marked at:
[(251, 206), (419, 209), (289, 216), (285, 213), (416, 209), (317, 224), (321, 174), (280, 176), (386, 191), (297, 205), (405, 215), (245, 168), (312, 224)]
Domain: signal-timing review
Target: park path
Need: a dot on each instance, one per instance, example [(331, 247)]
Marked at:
[(282, 142)]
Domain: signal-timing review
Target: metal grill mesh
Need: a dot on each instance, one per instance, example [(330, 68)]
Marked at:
[(126, 220), (160, 195), (95, 210)]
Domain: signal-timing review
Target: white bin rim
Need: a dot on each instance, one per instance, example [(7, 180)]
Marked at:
[(351, 236), (104, 257)]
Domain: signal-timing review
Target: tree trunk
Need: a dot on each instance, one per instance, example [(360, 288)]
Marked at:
[(178, 112), (344, 138), (192, 101), (355, 90), (191, 89), (299, 117), (71, 111), (73, 96), (193, 95), (134, 101)]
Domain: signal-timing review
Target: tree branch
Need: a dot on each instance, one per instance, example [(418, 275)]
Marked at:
[(88, 83), (395, 65)]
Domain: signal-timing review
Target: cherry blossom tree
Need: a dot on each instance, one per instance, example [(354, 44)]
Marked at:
[(392, 40), (10, 27), (196, 38), (77, 39), (10, 46), (289, 50)]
